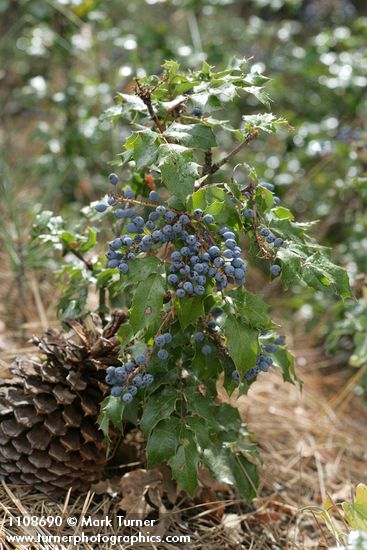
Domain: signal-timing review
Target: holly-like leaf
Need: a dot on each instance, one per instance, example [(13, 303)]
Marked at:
[(163, 441), (146, 147), (197, 136), (159, 406), (242, 343), (147, 304), (185, 462), (253, 310), (178, 171), (189, 310), (232, 468), (111, 412)]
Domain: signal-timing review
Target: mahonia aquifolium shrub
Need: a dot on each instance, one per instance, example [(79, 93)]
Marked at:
[(186, 235)]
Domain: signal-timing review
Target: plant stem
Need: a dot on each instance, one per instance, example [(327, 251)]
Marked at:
[(250, 137)]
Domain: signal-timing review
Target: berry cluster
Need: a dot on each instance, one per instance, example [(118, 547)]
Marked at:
[(263, 361), (127, 380), (197, 259), (162, 340)]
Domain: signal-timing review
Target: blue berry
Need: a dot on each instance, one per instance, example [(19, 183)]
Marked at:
[(248, 213), (177, 227), (150, 225), (139, 221), (194, 260), (206, 349), (277, 200), (131, 227), (153, 196), (137, 380), (113, 178), (129, 366), (100, 207), (140, 359), (120, 214), (153, 216), (120, 375), (198, 213), (205, 257), (197, 112), (264, 232), (110, 370), (133, 390), (148, 379), (212, 325), (128, 193), (185, 251), (159, 340), (275, 270), (229, 270), (199, 336), (167, 337), (112, 201), (180, 293), (230, 243), (170, 216), (184, 219), (160, 209), (112, 263), (217, 311), (214, 251), (279, 341), (156, 235), (267, 185), (270, 348), (127, 397), (116, 244), (223, 230), (239, 273), (176, 256), (278, 242), (163, 354), (187, 286), (172, 279), (201, 280), (123, 268), (229, 235), (208, 218), (110, 379), (191, 239), (185, 270), (116, 391), (270, 238), (199, 290), (218, 262)]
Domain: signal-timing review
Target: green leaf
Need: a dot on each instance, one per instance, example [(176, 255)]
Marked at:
[(178, 171), (283, 213), (206, 367), (159, 406), (146, 148), (267, 122), (192, 135), (242, 342), (141, 269), (252, 308), (356, 513), (318, 268), (189, 310), (91, 240), (163, 441), (233, 469), (111, 411), (147, 304), (184, 464)]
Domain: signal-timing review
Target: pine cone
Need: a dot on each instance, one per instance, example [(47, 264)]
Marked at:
[(48, 409)]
